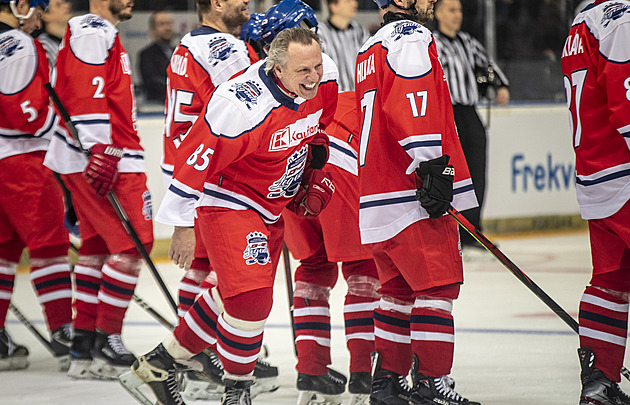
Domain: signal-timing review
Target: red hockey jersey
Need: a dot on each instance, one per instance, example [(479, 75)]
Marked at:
[(27, 120), (93, 80), (249, 150), (596, 68), (203, 59), (407, 118)]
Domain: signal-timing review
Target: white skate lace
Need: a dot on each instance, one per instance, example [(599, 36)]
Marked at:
[(262, 364), (115, 342), (334, 379), (235, 396), (404, 384), (174, 383), (443, 387)]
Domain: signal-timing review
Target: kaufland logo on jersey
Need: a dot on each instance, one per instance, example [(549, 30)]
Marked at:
[(614, 12), (291, 136)]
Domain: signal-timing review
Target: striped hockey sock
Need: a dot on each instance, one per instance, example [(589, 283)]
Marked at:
[(312, 330), (391, 336), (189, 289), (87, 278), (433, 335), (359, 328), (198, 328), (603, 328), (7, 281), (237, 348), (51, 279), (120, 276)]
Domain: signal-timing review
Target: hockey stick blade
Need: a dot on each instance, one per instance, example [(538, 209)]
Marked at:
[(113, 200), (518, 273)]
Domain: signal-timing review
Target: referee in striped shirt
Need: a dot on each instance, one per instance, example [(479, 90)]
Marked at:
[(342, 37), (462, 56)]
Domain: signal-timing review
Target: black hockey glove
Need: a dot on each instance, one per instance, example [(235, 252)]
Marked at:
[(434, 179)]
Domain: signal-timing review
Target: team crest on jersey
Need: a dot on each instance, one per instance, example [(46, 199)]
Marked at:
[(147, 206), (288, 184), (614, 12), (247, 92), (220, 50), (91, 21), (8, 47), (405, 28), (256, 251)]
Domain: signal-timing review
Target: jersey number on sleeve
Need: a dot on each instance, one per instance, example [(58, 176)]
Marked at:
[(205, 158), (176, 100)]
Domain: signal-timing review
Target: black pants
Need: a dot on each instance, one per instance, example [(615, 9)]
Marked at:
[(472, 136)]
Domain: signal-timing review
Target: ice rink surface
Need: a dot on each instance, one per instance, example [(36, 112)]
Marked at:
[(510, 349)]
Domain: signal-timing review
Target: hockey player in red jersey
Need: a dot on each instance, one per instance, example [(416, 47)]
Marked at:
[(205, 58), (596, 68), (94, 82), (319, 244), (31, 203), (246, 158), (411, 167)]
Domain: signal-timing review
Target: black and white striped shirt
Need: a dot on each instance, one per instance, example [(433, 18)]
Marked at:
[(461, 57), (342, 46)]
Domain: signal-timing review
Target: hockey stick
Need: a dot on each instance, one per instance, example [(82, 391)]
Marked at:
[(141, 303), (24, 320), (111, 196), (289, 281), (513, 268)]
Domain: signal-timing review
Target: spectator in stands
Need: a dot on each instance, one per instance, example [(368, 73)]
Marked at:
[(156, 56)]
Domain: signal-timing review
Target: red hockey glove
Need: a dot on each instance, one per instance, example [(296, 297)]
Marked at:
[(313, 195), (318, 150), (102, 168), (434, 179)]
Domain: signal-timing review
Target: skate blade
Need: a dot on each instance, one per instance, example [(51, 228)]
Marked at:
[(13, 363), (202, 390), (131, 382), (315, 398), (360, 399), (264, 385), (80, 369), (102, 370), (63, 363)]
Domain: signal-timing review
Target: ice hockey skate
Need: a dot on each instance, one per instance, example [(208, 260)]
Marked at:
[(237, 390), (12, 355), (206, 384), (597, 389), (388, 388), (81, 354), (359, 387), (434, 390), (266, 378), (160, 372), (110, 356), (325, 389), (60, 342)]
